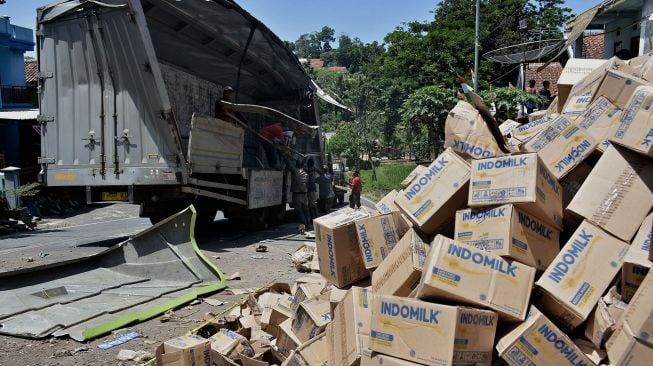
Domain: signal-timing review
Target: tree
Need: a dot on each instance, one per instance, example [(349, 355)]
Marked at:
[(426, 110)]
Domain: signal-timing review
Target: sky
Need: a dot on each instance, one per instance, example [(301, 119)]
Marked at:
[(369, 20)]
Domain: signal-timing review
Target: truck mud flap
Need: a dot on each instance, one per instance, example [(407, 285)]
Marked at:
[(153, 271)]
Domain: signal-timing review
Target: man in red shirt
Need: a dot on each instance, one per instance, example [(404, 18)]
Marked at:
[(356, 189), (274, 134)]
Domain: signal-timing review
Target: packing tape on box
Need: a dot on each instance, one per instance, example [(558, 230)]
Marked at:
[(625, 181)]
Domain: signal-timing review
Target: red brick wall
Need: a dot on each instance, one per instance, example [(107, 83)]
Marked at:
[(551, 73)]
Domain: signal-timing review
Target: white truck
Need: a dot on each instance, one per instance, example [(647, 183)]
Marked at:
[(127, 92)]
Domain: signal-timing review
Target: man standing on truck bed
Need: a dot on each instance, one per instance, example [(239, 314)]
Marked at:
[(274, 135), (220, 110)]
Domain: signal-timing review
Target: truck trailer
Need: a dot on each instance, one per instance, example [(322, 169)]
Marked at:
[(128, 91)]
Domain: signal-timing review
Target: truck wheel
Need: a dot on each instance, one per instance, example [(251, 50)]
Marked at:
[(277, 214), (206, 209), (258, 218)]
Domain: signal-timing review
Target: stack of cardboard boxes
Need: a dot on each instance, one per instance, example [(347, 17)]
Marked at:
[(536, 257)]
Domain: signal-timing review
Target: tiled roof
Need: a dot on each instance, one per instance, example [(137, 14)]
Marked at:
[(316, 63), (340, 69), (551, 73), (593, 45), (31, 70)]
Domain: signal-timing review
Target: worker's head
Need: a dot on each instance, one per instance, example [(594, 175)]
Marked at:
[(227, 93), (531, 83), (357, 173), (310, 163), (325, 168), (546, 84)]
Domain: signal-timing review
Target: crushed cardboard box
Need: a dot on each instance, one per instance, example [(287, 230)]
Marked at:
[(599, 120), (348, 334), (575, 71), (400, 272), (635, 127), (467, 133), (186, 350), (637, 264)]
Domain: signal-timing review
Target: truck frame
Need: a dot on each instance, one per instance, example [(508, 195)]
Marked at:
[(127, 91)]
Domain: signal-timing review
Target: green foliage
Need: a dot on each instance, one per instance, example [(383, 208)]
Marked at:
[(26, 190), (423, 115), (508, 100), (388, 177), (400, 90)]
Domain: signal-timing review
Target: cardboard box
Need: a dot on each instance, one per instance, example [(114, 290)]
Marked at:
[(624, 349), (616, 195), (434, 195), (635, 127), (600, 325), (305, 291), (614, 79), (508, 125), (520, 179), (576, 106), (377, 236), (311, 353), (537, 341), (571, 184), (273, 316), (229, 344), (575, 70), (348, 334), (311, 319), (562, 146), (526, 131), (600, 120), (400, 272), (579, 275), (509, 232), (432, 334), (186, 350), (467, 133), (639, 313), (636, 264), (419, 169), (387, 203), (377, 359), (287, 340), (463, 273), (340, 258)]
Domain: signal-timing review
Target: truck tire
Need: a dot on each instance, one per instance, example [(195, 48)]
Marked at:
[(277, 214), (206, 209)]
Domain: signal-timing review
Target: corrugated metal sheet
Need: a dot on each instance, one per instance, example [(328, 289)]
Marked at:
[(156, 270)]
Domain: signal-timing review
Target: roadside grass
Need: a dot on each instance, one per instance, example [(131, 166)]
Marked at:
[(388, 177)]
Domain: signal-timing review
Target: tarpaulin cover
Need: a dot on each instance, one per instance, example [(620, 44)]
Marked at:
[(152, 272)]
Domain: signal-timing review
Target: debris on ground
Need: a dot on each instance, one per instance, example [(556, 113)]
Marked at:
[(80, 349), (213, 302), (500, 243), (118, 339), (137, 356), (261, 248), (234, 276)]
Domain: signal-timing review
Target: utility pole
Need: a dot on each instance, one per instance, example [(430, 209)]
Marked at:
[(478, 21)]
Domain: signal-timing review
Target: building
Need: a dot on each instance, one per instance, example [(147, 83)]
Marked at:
[(19, 133), (615, 27)]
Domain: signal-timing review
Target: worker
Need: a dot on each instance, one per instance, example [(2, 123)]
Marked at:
[(356, 185), (220, 111), (298, 188), (311, 188), (325, 186), (274, 134)]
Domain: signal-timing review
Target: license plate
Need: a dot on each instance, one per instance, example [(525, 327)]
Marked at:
[(114, 196)]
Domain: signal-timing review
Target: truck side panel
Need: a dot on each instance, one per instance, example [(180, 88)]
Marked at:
[(104, 122)]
